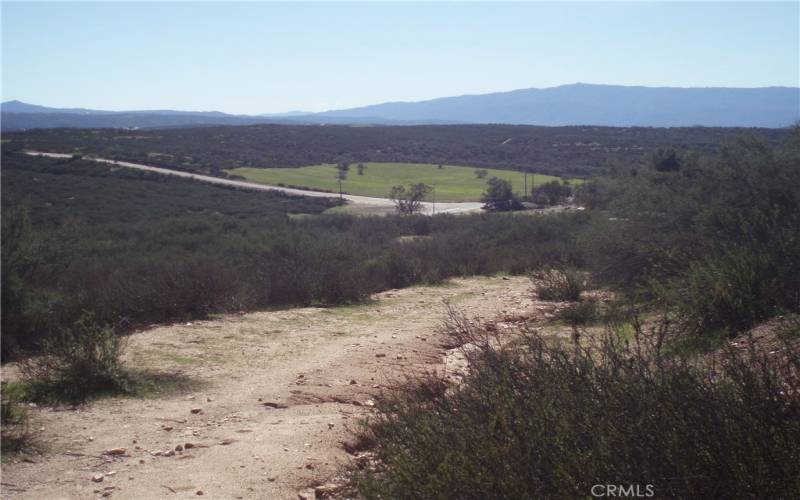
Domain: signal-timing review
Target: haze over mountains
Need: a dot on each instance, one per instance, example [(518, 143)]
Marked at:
[(576, 104)]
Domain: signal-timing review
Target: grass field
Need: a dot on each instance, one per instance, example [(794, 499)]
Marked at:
[(453, 183)]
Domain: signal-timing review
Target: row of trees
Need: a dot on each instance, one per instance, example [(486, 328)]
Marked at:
[(498, 197)]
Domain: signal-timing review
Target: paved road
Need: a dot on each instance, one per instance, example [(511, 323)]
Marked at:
[(366, 201)]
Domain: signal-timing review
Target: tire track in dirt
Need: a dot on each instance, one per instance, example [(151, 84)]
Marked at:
[(269, 398)]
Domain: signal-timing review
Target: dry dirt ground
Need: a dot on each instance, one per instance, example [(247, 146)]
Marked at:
[(318, 370)]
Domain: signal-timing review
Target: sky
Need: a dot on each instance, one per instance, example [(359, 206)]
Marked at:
[(253, 58)]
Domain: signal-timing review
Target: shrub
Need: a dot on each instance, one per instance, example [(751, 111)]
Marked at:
[(565, 284), (579, 313), (77, 362), (550, 420), (14, 428)]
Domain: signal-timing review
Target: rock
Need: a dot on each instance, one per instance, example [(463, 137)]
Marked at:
[(270, 404), (353, 382), (199, 493), (208, 400), (188, 446), (369, 402), (303, 496), (310, 466), (325, 490), (98, 478), (271, 479), (179, 448), (115, 451), (196, 410), (380, 355), (167, 428), (227, 441), (330, 425), (111, 473), (170, 453)]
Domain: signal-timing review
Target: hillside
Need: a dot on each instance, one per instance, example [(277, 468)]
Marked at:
[(571, 151)]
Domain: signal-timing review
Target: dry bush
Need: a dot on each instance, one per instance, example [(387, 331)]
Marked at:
[(559, 284), (549, 419)]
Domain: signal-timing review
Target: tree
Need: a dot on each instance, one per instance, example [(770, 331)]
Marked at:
[(481, 173), (361, 167), (440, 166), (551, 193), (500, 197), (409, 201), (342, 168)]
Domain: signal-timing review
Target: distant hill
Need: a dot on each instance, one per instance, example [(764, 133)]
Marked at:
[(576, 104), (609, 105)]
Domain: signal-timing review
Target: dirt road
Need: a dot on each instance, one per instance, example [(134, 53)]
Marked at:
[(274, 393), (384, 204)]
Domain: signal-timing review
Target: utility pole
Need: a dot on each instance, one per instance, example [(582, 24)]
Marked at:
[(340, 190), (434, 199)]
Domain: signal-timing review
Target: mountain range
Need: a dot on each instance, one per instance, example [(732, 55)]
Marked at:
[(575, 104)]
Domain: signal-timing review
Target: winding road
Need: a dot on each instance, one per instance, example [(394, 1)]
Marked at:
[(364, 201)]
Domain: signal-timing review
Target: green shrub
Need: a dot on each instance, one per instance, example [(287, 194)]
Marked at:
[(565, 284), (715, 240), (76, 363), (550, 420), (14, 428), (580, 313)]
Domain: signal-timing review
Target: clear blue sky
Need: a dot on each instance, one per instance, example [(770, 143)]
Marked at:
[(273, 57)]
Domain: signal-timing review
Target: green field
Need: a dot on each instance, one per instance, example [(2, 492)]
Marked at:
[(453, 183)]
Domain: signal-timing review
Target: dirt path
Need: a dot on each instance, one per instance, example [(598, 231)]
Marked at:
[(324, 365), (381, 204)]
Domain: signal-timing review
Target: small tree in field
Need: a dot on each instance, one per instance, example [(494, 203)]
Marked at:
[(360, 168), (481, 173), (500, 197), (409, 201), (342, 168)]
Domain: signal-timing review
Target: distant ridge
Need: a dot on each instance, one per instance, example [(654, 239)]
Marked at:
[(575, 104), (608, 105)]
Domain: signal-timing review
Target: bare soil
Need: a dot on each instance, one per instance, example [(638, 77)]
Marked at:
[(274, 395)]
